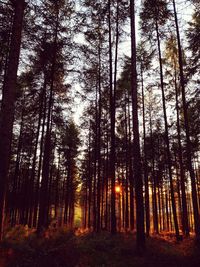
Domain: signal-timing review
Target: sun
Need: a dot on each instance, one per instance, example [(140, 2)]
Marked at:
[(117, 189)]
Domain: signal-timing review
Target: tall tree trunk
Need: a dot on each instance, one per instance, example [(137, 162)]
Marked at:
[(154, 197), (127, 169), (167, 139), (89, 179), (43, 207), (180, 158), (136, 149), (107, 179), (8, 104), (95, 164), (31, 197), (167, 209), (99, 141), (147, 213), (112, 117), (14, 200), (130, 171), (187, 131), (57, 192), (163, 207), (37, 190)]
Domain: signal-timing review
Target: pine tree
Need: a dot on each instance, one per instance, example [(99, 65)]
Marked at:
[(136, 149), (8, 103)]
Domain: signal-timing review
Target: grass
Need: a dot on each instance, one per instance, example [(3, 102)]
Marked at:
[(62, 248)]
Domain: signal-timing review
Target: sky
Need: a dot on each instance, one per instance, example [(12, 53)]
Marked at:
[(184, 11)]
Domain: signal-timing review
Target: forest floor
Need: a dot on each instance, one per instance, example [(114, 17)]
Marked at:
[(63, 248)]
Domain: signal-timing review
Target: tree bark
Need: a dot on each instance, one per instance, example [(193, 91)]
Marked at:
[(147, 213), (43, 203), (8, 104), (167, 139), (187, 131), (112, 117), (136, 150), (182, 175)]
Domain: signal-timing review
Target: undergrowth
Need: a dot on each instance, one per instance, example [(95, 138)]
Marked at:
[(63, 248)]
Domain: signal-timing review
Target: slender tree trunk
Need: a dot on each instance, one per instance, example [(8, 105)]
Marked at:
[(99, 141), (31, 197), (136, 150), (182, 175), (159, 206), (43, 207), (147, 214), (28, 188), (167, 139), (14, 200), (37, 191), (163, 207), (154, 196), (89, 179), (187, 131), (57, 191), (95, 165), (167, 209), (107, 180), (127, 171), (130, 172), (112, 116)]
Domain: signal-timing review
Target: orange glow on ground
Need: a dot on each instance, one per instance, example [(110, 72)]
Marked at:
[(117, 189)]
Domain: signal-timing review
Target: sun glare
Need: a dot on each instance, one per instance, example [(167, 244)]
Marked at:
[(117, 189)]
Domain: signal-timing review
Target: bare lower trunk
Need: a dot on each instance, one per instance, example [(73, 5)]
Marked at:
[(136, 150), (187, 131), (112, 117), (167, 139)]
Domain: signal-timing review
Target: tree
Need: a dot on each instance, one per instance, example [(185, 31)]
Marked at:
[(69, 147), (187, 129), (153, 19), (144, 61), (172, 56), (54, 75), (136, 149), (8, 103)]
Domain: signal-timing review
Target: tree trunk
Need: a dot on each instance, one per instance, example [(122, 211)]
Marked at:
[(14, 200), (136, 149), (127, 169), (112, 117), (37, 190), (43, 203), (8, 104), (89, 179), (147, 214), (99, 141), (130, 172), (187, 131), (182, 175), (31, 197), (167, 139)]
